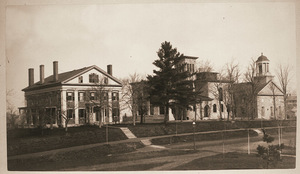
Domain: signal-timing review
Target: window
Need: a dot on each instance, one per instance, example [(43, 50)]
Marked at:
[(280, 112), (70, 113), (220, 94), (272, 112), (262, 111), (93, 78), (92, 96), (193, 68), (81, 96), (80, 79), (105, 80), (105, 96), (260, 69), (81, 113), (222, 108), (188, 67), (115, 96), (214, 108), (70, 96), (206, 111), (105, 112), (97, 111)]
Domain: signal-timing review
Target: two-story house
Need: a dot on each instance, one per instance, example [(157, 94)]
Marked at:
[(82, 96)]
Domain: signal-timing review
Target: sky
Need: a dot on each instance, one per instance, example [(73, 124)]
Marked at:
[(129, 35)]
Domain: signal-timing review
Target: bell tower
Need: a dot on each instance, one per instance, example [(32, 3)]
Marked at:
[(263, 74)]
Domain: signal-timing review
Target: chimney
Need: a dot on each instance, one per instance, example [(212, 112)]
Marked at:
[(55, 71), (31, 76), (42, 79), (109, 69)]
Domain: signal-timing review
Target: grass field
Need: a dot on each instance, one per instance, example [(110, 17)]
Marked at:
[(148, 130), (22, 141), (30, 140), (99, 155), (235, 160)]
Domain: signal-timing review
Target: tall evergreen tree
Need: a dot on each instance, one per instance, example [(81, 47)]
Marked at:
[(171, 86)]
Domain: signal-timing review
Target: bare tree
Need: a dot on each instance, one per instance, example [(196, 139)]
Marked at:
[(232, 75), (129, 93), (272, 87), (251, 93), (11, 115), (218, 92), (204, 66), (284, 77)]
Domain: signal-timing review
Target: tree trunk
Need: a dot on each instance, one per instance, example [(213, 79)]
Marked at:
[(166, 119), (66, 125), (201, 116), (285, 109), (100, 119), (220, 110)]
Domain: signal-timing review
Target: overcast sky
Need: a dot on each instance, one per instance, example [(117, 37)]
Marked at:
[(129, 35)]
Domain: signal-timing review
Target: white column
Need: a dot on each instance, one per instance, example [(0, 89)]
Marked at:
[(171, 116), (63, 106), (110, 106), (76, 107), (120, 116)]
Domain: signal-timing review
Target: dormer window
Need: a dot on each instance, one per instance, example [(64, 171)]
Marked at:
[(80, 79), (93, 78)]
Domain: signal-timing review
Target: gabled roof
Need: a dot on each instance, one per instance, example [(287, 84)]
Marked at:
[(67, 76), (247, 86)]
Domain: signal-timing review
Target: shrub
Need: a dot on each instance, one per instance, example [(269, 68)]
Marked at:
[(270, 153)]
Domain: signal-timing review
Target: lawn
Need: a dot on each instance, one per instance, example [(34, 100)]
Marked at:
[(22, 141), (203, 137), (104, 154), (235, 160), (155, 129)]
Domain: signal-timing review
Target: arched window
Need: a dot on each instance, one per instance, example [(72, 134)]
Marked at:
[(206, 111), (214, 108)]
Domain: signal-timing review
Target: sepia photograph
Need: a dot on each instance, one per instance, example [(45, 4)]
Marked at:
[(136, 86)]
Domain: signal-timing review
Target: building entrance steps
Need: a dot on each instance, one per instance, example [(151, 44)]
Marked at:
[(128, 133)]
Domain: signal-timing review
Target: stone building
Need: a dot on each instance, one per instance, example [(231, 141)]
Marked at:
[(262, 98), (81, 96)]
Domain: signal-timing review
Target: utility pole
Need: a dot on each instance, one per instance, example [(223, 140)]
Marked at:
[(194, 125), (106, 133), (248, 142)]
